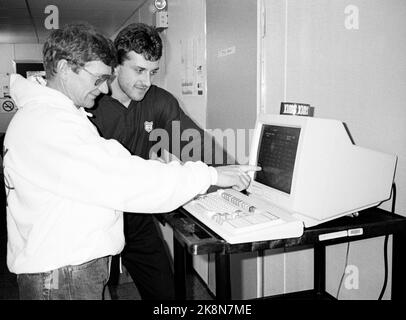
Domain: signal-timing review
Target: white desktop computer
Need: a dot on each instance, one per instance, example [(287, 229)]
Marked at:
[(311, 173), (311, 168)]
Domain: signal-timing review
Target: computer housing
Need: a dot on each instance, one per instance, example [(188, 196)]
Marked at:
[(311, 167)]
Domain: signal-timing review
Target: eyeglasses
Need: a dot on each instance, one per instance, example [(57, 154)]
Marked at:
[(100, 79)]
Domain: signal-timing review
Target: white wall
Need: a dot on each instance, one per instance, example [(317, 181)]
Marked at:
[(186, 23), (231, 78), (357, 76), (9, 53)]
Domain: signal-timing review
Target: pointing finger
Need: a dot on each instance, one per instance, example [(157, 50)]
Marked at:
[(247, 168)]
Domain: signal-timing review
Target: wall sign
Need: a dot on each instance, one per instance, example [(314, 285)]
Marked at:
[(7, 106)]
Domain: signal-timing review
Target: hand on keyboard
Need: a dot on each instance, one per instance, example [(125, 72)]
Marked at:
[(235, 176), (239, 218)]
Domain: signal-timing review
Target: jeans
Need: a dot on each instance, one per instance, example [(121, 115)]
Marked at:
[(86, 281)]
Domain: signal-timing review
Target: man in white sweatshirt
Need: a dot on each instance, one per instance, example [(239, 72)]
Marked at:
[(67, 187)]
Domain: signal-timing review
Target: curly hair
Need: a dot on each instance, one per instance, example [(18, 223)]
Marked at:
[(77, 43), (141, 38)]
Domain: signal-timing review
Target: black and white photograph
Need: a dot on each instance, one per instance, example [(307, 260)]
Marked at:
[(203, 158)]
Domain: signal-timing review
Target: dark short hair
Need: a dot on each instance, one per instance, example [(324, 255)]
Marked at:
[(78, 43), (141, 38)]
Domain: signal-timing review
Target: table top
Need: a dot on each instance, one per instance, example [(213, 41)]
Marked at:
[(369, 223)]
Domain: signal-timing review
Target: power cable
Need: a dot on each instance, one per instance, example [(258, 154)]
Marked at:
[(385, 246), (345, 267)]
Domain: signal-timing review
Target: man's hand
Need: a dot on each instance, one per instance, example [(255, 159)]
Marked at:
[(235, 176)]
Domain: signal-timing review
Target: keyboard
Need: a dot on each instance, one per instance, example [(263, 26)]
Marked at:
[(238, 218)]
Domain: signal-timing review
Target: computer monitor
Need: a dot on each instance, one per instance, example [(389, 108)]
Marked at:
[(311, 168)]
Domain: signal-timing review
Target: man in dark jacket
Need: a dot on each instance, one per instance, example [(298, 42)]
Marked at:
[(130, 115)]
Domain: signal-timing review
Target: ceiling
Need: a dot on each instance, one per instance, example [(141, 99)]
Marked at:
[(23, 21)]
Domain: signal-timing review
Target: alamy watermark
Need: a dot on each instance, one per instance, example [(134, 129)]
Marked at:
[(351, 21), (211, 146), (351, 281), (52, 20)]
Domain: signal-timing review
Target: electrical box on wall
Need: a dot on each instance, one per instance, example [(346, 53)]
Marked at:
[(161, 20), (4, 85)]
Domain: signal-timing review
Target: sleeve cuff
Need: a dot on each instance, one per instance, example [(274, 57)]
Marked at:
[(213, 175)]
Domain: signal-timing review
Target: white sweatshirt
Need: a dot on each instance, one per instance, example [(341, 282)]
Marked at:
[(67, 187)]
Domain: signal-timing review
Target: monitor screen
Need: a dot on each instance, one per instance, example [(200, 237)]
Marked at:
[(276, 156)]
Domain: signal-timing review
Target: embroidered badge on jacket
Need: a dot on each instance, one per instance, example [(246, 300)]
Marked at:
[(148, 126)]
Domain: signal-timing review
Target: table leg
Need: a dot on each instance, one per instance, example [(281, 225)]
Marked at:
[(319, 269), (399, 266), (223, 281), (179, 253)]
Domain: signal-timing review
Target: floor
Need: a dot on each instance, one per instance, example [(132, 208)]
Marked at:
[(196, 290)]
